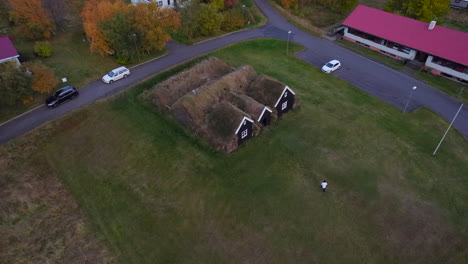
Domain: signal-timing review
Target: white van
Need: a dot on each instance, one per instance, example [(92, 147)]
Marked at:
[(116, 74)]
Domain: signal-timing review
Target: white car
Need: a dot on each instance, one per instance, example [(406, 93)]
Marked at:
[(331, 66), (116, 74)]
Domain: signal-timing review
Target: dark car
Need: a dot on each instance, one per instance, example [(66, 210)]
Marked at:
[(62, 95)]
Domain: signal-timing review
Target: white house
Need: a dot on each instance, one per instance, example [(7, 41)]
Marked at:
[(161, 3)]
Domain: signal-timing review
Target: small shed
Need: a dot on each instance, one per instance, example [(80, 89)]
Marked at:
[(286, 101), (273, 94), (245, 130), (226, 127), (256, 110), (265, 117)]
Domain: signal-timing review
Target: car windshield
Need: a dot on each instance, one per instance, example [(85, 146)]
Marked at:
[(329, 65), (57, 93), (111, 74)]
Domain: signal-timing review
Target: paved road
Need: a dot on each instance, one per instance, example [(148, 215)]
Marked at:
[(382, 82)]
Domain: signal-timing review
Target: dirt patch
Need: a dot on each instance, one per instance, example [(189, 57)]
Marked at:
[(40, 222), (416, 230)]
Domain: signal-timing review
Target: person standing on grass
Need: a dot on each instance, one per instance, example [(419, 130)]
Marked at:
[(324, 185)]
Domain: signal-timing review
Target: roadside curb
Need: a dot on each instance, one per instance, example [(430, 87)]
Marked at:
[(18, 116)]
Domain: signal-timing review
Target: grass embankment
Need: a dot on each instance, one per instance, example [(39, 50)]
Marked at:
[(156, 194)]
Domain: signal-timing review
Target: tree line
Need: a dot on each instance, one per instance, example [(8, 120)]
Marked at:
[(112, 27)]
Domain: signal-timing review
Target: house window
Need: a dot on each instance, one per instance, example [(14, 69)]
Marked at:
[(286, 94), (284, 105), (160, 3), (406, 50), (168, 2), (383, 42), (244, 133)]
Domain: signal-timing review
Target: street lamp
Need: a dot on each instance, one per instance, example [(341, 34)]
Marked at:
[(451, 123), (409, 99), (287, 44)]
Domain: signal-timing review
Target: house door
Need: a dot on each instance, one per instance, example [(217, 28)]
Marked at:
[(421, 56)]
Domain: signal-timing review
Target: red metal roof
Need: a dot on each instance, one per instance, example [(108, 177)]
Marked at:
[(7, 50), (440, 41)]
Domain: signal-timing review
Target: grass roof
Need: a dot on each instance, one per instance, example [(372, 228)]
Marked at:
[(192, 107), (168, 92), (246, 104), (265, 90)]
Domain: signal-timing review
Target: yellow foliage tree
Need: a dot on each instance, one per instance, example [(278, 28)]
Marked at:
[(94, 12), (154, 23), (44, 79), (32, 18)]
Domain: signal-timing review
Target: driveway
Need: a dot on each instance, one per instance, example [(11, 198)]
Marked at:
[(376, 79)]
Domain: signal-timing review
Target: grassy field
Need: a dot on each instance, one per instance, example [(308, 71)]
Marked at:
[(156, 194)]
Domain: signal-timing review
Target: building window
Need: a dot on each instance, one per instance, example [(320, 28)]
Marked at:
[(286, 94), (244, 133), (406, 50), (383, 42), (284, 105), (160, 3)]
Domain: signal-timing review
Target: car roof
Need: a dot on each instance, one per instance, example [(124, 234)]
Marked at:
[(120, 68), (334, 61), (66, 88)]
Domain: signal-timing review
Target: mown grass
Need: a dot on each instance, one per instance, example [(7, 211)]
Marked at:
[(156, 194), (395, 64)]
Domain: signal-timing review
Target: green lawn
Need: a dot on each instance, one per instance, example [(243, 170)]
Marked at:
[(447, 86), (156, 194)]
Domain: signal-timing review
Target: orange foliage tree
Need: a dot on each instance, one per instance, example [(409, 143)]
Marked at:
[(94, 12), (44, 79), (154, 23), (287, 4), (32, 18)]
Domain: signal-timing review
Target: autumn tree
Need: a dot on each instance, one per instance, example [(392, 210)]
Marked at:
[(31, 18), (43, 78), (209, 20), (15, 85), (154, 25), (121, 36), (424, 10), (95, 12), (230, 3)]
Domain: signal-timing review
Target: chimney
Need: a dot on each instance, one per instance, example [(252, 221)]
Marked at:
[(432, 25)]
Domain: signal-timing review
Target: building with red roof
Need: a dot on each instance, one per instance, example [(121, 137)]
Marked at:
[(8, 51), (441, 50)]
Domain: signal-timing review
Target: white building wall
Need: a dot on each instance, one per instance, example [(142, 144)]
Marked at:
[(161, 3), (446, 70), (409, 56)]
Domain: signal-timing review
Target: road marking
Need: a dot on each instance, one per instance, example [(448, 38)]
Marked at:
[(21, 115)]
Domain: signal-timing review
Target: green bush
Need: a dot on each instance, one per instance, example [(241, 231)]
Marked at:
[(43, 48)]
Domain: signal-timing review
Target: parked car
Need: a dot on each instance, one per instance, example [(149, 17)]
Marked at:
[(62, 95), (331, 66), (116, 74)]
